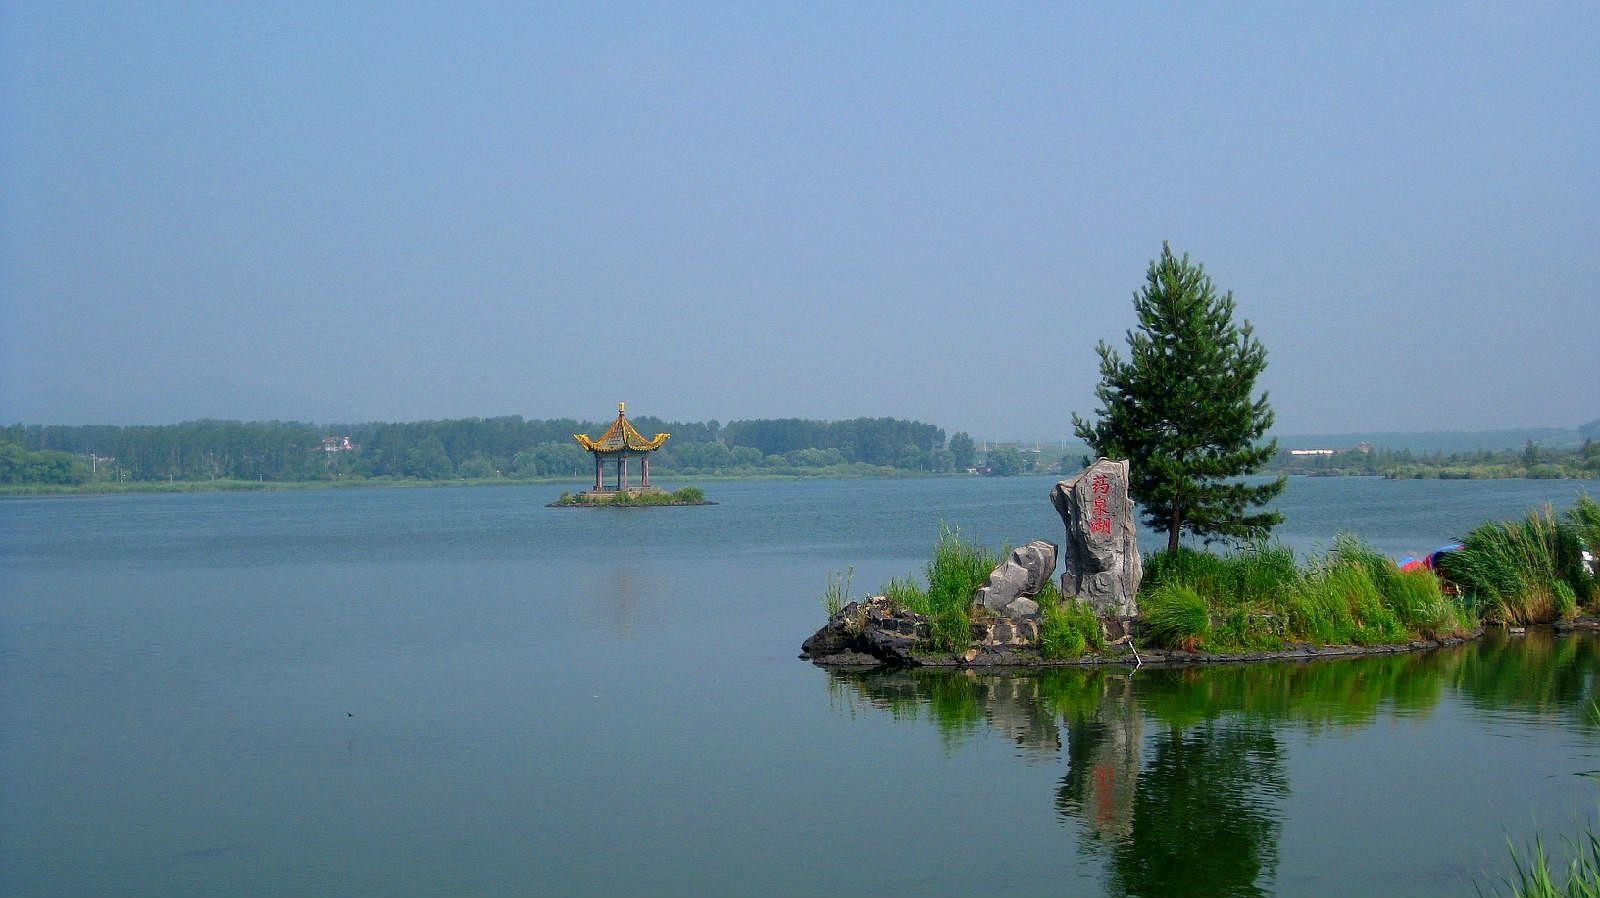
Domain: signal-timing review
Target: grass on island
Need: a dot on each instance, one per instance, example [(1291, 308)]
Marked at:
[(1512, 573), (1067, 627), (1261, 598), (1532, 570), (689, 495), (954, 574)]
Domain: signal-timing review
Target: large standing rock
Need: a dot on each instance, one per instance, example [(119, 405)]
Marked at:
[(1102, 563), (1013, 584)]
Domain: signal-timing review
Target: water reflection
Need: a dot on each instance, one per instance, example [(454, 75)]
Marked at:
[(1177, 778), (616, 600), (1539, 673)]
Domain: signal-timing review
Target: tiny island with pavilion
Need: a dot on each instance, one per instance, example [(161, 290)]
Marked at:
[(617, 445)]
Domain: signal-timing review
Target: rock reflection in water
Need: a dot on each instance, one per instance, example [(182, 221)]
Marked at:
[(1103, 762)]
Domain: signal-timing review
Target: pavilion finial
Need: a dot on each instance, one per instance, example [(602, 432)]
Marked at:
[(622, 409)]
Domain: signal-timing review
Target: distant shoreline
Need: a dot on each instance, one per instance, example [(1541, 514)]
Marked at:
[(46, 490), (146, 487)]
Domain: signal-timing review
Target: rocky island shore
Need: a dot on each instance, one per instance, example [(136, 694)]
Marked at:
[(1259, 604)]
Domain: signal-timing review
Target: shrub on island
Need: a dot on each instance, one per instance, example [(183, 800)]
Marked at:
[(689, 495)]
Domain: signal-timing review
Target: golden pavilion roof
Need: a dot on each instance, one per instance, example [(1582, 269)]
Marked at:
[(621, 437)]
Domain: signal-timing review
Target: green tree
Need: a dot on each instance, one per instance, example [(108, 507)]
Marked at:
[(1181, 412), (429, 461), (911, 458), (1005, 461), (964, 451), (478, 468)]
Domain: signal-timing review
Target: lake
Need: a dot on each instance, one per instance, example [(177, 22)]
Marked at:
[(462, 692)]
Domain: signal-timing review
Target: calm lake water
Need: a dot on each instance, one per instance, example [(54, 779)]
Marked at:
[(461, 692)]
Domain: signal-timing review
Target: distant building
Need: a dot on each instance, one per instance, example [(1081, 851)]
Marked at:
[(338, 444), (1304, 452)]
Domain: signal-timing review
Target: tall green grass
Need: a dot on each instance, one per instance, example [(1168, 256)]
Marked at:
[(953, 575), (1177, 614), (837, 595), (1067, 627), (1516, 570), (1585, 518), (1535, 878), (1260, 598)]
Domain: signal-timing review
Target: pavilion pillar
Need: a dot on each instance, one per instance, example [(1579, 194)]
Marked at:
[(599, 474), (644, 472)]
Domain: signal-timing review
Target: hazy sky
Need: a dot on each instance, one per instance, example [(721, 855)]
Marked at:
[(342, 211)]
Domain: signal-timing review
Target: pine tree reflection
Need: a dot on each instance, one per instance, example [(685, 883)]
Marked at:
[(1204, 818)]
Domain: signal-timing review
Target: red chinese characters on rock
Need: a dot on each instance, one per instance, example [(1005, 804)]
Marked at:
[(1100, 512)]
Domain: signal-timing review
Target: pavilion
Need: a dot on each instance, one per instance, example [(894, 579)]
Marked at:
[(619, 443)]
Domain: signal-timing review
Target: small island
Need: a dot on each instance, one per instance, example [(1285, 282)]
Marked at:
[(1183, 606), (638, 498), (621, 442), (1178, 429)]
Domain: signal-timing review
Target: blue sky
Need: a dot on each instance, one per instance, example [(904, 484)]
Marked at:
[(339, 212)]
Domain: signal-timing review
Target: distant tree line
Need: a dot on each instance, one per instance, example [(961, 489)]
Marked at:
[(474, 448), (1531, 461), (873, 441)]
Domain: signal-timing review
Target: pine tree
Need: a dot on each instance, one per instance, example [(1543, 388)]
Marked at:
[(1180, 409)]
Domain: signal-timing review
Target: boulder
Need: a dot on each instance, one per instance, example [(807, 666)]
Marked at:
[(837, 635), (875, 627), (1013, 583), (1101, 556)]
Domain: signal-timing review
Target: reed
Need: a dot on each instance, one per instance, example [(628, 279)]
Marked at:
[(689, 494), (953, 575), (1261, 598), (1177, 615), (907, 594), (1535, 878), (837, 595), (1585, 518), (1067, 627), (1422, 606), (1263, 571), (1511, 568)]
